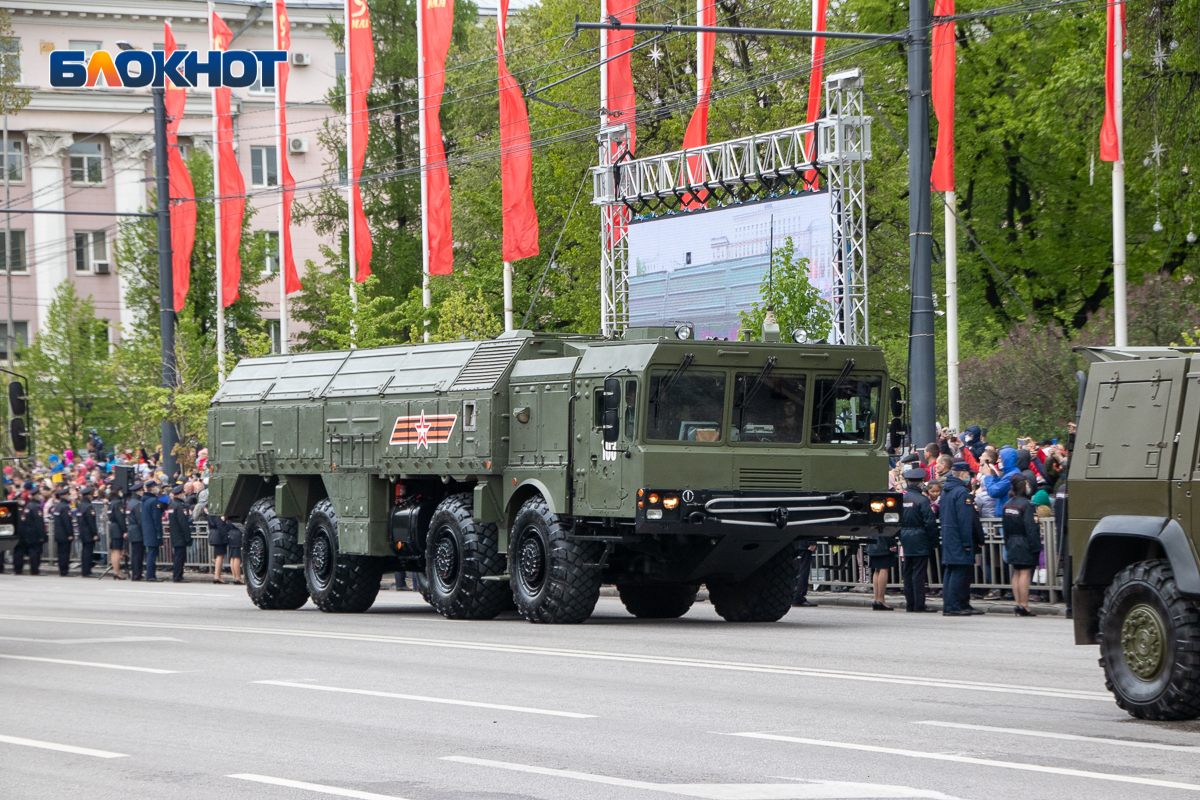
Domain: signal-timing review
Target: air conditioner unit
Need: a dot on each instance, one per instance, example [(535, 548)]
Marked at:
[(297, 144), (302, 59), (101, 267)]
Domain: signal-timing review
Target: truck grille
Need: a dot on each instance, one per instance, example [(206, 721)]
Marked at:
[(487, 364), (770, 478)]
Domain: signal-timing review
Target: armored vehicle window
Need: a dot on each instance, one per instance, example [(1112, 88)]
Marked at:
[(630, 409), (598, 408), (846, 412), (768, 410), (469, 415), (689, 409)]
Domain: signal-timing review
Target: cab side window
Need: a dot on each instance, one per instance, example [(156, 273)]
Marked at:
[(630, 409), (598, 408)]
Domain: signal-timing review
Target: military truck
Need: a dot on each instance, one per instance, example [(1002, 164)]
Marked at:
[(532, 468), (1133, 509)]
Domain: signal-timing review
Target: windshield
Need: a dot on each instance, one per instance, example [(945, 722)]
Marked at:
[(768, 411), (846, 413), (691, 410)]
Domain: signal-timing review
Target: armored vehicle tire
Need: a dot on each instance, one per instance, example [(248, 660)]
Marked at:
[(765, 596), (1150, 643), (270, 543), (337, 583), (554, 579), (459, 552), (657, 600)]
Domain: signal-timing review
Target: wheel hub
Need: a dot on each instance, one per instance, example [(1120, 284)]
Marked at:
[(256, 556), (1144, 642), (533, 561), (445, 560), (322, 563)]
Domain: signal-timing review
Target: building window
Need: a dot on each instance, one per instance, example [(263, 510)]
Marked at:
[(10, 63), (16, 161), (87, 163), (162, 46), (15, 252), (258, 88), (270, 252), (339, 65), (273, 331), (21, 332), (264, 169), (91, 251)]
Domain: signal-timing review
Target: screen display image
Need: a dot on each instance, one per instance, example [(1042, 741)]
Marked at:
[(705, 267)]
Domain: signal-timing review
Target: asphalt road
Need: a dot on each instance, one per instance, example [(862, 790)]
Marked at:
[(123, 690)]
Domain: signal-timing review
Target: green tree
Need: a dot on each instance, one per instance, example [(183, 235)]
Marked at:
[(796, 302)]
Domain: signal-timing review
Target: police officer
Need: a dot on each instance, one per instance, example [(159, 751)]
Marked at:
[(179, 522), (85, 515), (31, 533), (958, 542), (64, 533), (133, 532), (151, 528), (117, 531), (918, 535)]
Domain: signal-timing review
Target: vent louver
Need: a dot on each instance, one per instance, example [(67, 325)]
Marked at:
[(487, 364), (770, 478)]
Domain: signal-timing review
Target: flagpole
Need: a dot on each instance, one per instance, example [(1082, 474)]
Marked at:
[(607, 214), (951, 234), (501, 21), (350, 181), (426, 292), (700, 48), (217, 217), (1120, 338), (282, 145)]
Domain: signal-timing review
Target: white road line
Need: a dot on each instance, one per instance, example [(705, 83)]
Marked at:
[(114, 640), (313, 787), (421, 699), (982, 762), (62, 748), (89, 664), (172, 593), (1180, 748), (632, 658), (800, 790)]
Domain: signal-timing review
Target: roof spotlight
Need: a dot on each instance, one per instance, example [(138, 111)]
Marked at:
[(684, 332), (800, 336)]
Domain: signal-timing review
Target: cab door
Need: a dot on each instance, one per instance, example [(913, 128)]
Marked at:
[(604, 458)]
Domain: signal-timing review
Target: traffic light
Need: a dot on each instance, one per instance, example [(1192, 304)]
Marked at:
[(16, 429), (16, 399)]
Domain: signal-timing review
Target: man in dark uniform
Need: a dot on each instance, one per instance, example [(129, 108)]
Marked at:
[(179, 522), (85, 514), (918, 535), (31, 533), (151, 528), (117, 530), (958, 542), (64, 533), (133, 532)]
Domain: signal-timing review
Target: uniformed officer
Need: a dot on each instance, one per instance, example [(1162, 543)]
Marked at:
[(85, 515), (116, 532), (958, 543), (31, 531), (151, 528), (64, 533), (918, 535), (133, 532), (179, 522)]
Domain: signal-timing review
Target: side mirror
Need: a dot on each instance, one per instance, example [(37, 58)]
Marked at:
[(16, 399), (16, 430), (897, 401), (612, 406)]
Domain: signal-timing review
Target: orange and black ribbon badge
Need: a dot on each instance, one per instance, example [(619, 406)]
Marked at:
[(423, 430)]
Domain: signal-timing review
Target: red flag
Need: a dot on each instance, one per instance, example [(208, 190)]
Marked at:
[(944, 63), (1110, 140), (283, 41), (814, 90), (621, 101), (697, 129), (360, 67), (437, 23), (182, 195), (516, 159), (231, 188)]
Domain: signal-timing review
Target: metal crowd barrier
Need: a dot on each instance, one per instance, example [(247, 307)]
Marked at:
[(842, 567), (199, 554)]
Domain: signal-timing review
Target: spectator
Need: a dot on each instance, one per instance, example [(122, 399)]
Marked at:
[(1022, 543), (804, 561), (918, 535), (1042, 505), (973, 439), (942, 468), (133, 526), (958, 544), (235, 551), (882, 555), (998, 486), (934, 493), (932, 451), (117, 532)]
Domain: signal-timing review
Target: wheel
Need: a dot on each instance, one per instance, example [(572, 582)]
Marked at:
[(270, 543), (553, 578), (337, 583), (1150, 643), (765, 596), (459, 552), (657, 600)]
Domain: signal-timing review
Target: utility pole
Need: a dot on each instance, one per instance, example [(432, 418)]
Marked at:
[(166, 292), (11, 344), (921, 374)]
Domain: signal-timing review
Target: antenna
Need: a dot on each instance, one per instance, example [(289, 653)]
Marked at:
[(771, 260)]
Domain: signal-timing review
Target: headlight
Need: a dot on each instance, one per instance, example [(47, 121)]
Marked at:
[(670, 503), (891, 502), (4, 512), (877, 506), (7, 530), (892, 517), (654, 513), (683, 332), (800, 336), (653, 499)]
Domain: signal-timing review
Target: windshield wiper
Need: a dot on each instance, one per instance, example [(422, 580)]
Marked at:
[(749, 393), (837, 385), (665, 386)]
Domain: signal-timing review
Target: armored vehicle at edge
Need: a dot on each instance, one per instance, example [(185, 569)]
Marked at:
[(532, 468), (1133, 523)]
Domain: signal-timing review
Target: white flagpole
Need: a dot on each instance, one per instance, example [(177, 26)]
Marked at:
[(282, 146), (508, 270), (426, 292), (217, 216), (1120, 334), (700, 48), (607, 213), (350, 182), (952, 311)]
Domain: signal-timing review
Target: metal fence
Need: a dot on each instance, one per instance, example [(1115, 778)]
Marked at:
[(199, 553), (842, 567)]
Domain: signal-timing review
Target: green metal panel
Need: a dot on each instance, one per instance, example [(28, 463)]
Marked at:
[(311, 431)]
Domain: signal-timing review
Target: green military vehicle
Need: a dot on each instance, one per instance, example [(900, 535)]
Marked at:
[(532, 468), (1134, 526)]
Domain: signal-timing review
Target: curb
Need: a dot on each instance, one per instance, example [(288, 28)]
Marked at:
[(855, 600)]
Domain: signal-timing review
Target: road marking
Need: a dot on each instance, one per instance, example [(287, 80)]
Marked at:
[(173, 593), (62, 748), (632, 658), (90, 664), (420, 698), (1181, 748), (313, 787), (801, 790), (114, 639), (982, 762)]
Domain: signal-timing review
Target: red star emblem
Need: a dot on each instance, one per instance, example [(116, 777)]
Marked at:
[(422, 428)]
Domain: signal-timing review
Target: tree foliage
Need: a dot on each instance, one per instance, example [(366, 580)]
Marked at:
[(796, 302)]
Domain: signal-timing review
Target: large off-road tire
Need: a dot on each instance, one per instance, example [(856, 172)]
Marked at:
[(459, 552), (765, 596), (657, 600), (337, 583), (1150, 643), (553, 578), (269, 544)]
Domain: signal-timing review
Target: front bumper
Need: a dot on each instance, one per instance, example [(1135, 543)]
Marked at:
[(729, 512)]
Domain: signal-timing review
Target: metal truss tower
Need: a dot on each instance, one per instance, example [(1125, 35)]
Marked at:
[(614, 246)]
